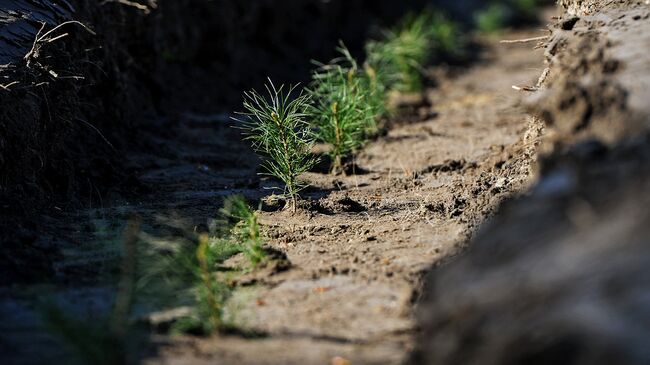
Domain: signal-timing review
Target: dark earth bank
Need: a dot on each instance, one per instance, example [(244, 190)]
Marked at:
[(560, 275)]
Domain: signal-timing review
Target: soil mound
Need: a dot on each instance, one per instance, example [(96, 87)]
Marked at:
[(559, 275)]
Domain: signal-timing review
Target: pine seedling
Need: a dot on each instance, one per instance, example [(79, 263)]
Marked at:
[(500, 14), (528, 8), (211, 292), (366, 82), (208, 293), (340, 115), (169, 271), (376, 96), (278, 131), (401, 54), (444, 35), (493, 19), (246, 229), (342, 112), (182, 271)]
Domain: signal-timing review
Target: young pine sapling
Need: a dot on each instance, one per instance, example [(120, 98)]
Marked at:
[(401, 54), (245, 229), (278, 131), (368, 84), (343, 109)]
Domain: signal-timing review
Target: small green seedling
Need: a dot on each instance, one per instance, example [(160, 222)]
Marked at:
[(182, 271), (242, 234), (493, 18), (212, 293), (185, 270), (500, 14), (444, 35), (341, 112), (246, 229), (367, 83), (401, 54), (203, 290), (278, 131)]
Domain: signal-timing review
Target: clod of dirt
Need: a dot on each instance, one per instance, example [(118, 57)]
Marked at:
[(273, 203), (350, 205), (447, 166), (275, 262), (568, 24)]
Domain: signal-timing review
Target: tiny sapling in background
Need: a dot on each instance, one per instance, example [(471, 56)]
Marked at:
[(341, 111)]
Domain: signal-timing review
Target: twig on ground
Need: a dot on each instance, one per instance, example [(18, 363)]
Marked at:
[(538, 85), (41, 39), (7, 86), (144, 8), (98, 132), (525, 88), (543, 77), (525, 40), (50, 40), (33, 49)]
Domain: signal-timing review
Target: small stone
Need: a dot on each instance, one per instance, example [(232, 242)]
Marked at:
[(337, 360)]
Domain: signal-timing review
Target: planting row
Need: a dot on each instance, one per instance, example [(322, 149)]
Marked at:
[(344, 102)]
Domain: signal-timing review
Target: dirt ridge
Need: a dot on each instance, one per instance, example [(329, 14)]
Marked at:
[(559, 275)]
